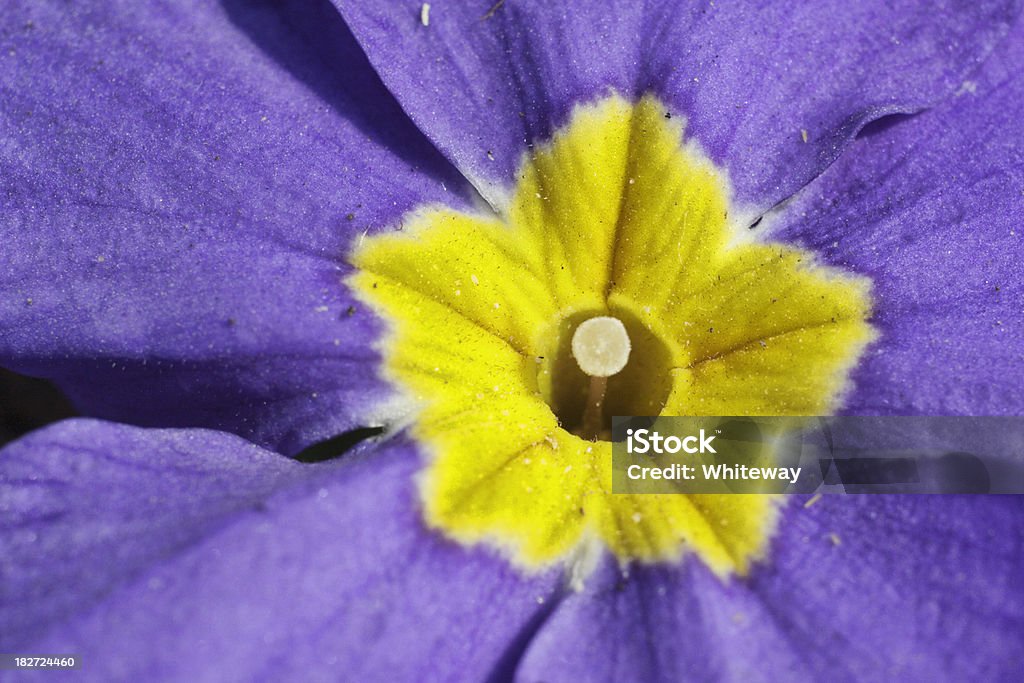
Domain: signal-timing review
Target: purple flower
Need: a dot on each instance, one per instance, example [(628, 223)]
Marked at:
[(250, 222)]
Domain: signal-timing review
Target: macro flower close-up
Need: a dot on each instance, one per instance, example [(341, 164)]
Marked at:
[(331, 305)]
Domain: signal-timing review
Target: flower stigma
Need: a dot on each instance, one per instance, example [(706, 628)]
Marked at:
[(612, 283), (601, 349)]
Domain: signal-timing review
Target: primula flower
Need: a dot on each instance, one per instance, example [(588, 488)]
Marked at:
[(241, 228)]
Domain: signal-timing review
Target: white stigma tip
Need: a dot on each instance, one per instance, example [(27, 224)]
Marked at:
[(601, 346)]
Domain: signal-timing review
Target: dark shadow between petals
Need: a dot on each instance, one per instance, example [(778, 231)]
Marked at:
[(27, 403), (508, 664), (883, 124), (311, 41), (337, 446)]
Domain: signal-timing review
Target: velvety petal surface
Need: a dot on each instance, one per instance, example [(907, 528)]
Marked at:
[(486, 79), (857, 588), (930, 209), (179, 186), (162, 555), (85, 505)]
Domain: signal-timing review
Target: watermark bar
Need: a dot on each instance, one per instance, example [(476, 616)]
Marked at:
[(841, 455)]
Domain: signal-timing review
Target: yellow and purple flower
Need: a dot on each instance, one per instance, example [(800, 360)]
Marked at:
[(236, 229)]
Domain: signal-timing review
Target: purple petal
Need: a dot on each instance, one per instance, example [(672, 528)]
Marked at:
[(484, 84), (87, 505), (179, 187), (930, 208), (857, 588), (334, 577), (915, 587)]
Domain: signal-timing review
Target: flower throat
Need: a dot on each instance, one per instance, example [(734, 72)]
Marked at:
[(617, 217)]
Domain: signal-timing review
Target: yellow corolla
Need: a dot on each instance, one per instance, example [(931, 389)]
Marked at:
[(615, 217)]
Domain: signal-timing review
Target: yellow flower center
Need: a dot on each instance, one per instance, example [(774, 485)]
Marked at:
[(615, 217)]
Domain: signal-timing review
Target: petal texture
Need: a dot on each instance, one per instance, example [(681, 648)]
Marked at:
[(752, 79), (85, 505), (930, 209), (858, 588), (178, 189), (331, 578)]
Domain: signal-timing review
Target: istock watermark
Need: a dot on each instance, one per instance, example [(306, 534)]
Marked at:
[(773, 455)]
